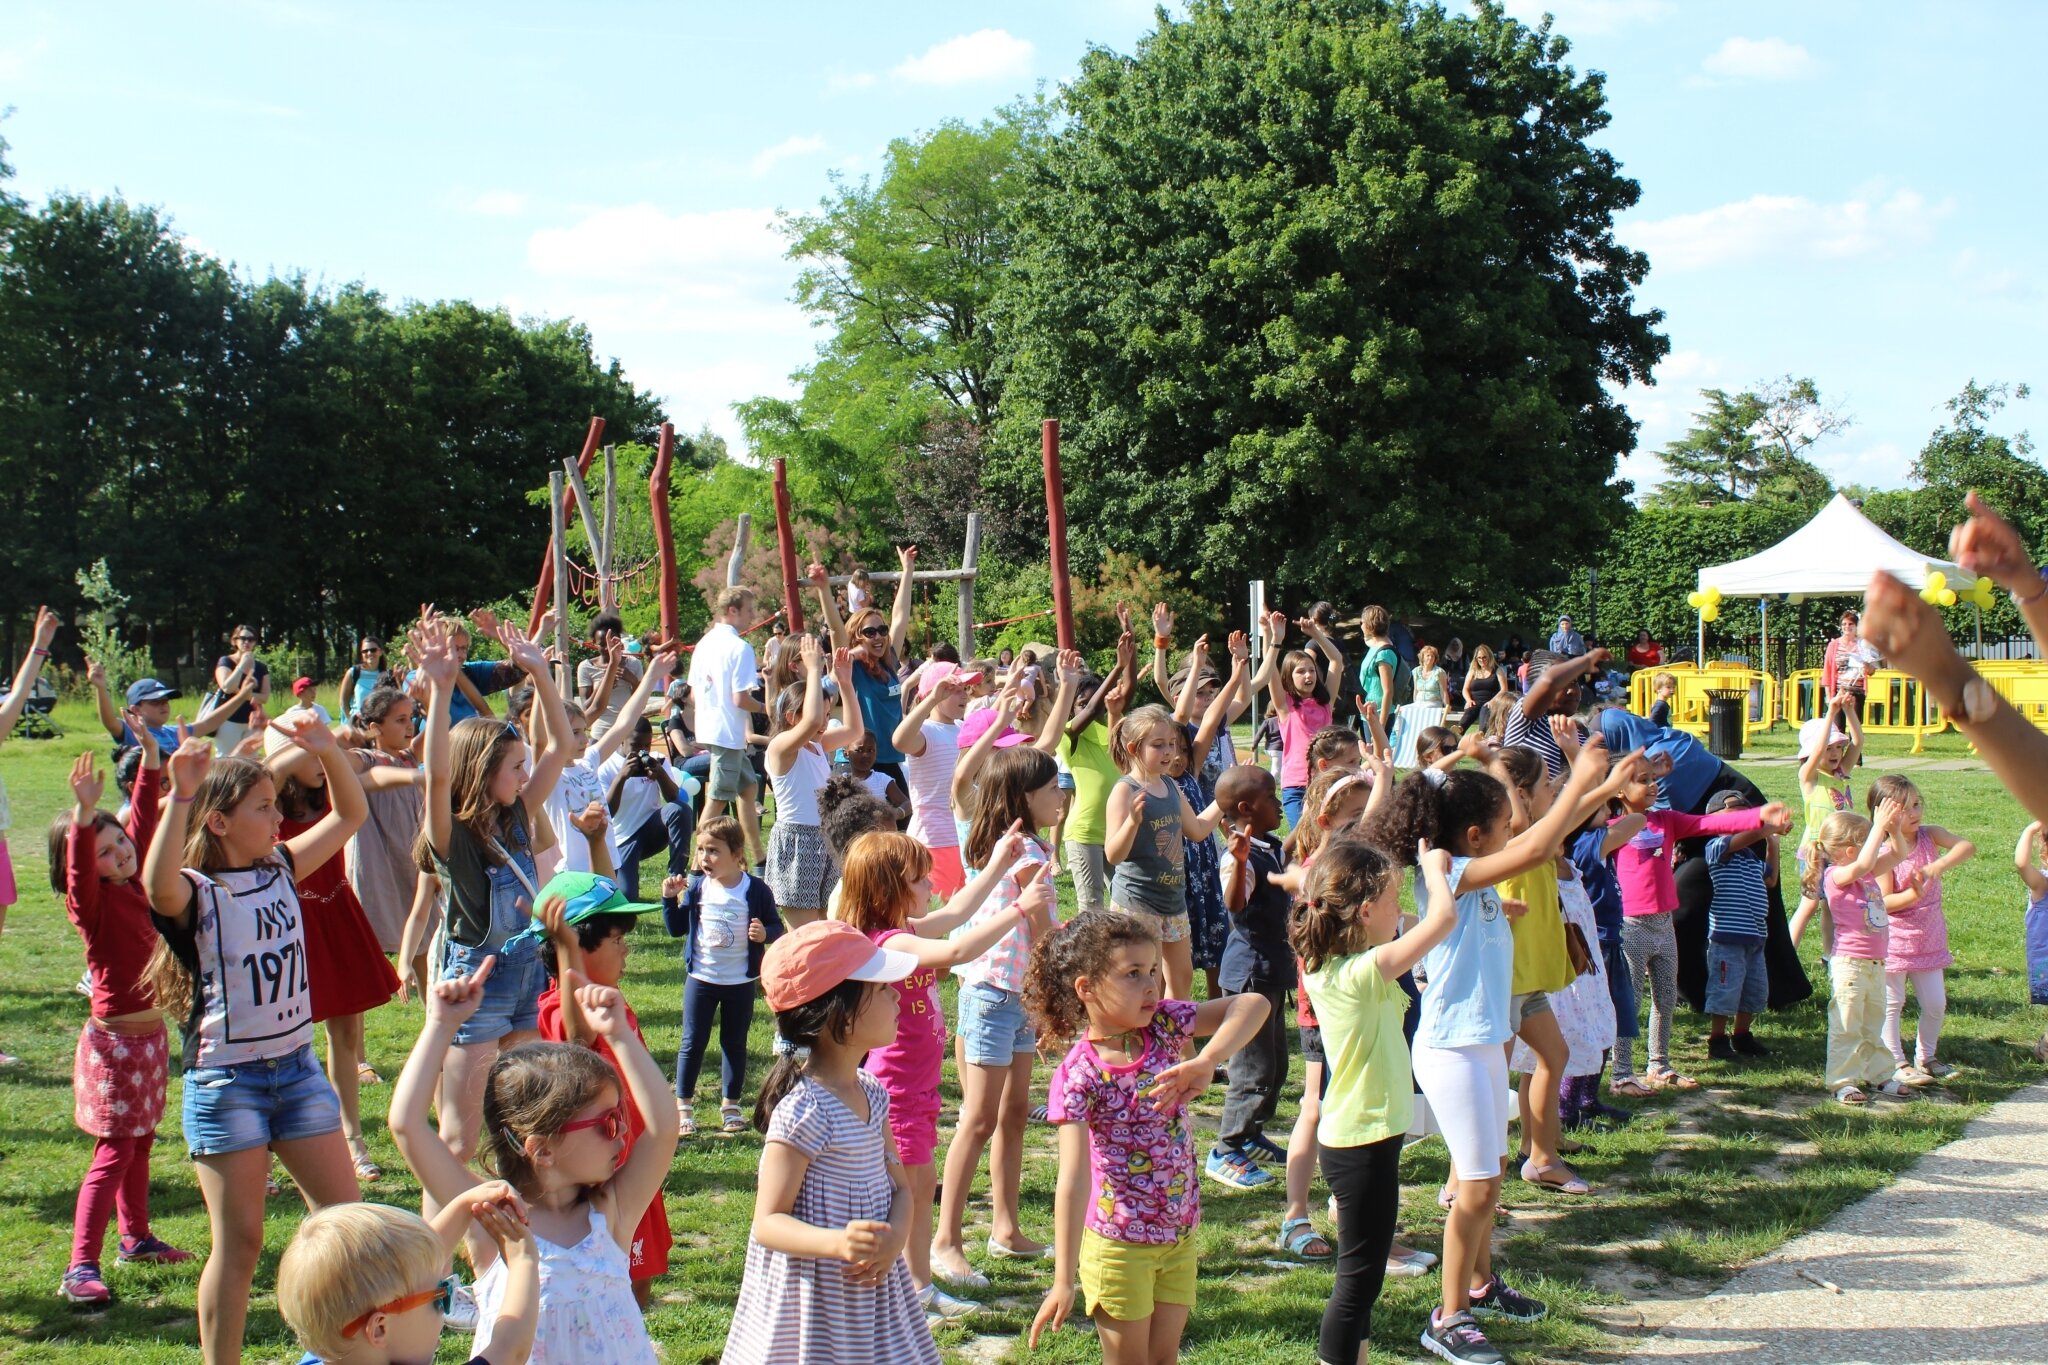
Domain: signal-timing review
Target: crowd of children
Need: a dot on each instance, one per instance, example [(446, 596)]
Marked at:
[(252, 893)]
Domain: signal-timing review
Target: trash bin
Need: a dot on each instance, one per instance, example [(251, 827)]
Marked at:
[(1727, 713)]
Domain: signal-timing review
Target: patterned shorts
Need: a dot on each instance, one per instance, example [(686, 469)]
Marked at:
[(1172, 928), (118, 1081), (800, 870)]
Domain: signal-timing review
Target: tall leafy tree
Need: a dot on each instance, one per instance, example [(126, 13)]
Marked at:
[(1752, 444), (1327, 292)]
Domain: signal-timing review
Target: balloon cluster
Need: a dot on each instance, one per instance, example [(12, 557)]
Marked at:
[(1937, 591), (1707, 602)]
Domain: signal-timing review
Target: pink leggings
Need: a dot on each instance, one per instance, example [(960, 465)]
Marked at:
[(117, 1180)]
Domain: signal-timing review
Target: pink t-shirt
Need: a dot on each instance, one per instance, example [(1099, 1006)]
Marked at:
[(909, 1067), (1862, 929), (1642, 866), (1141, 1162), (1297, 728), (1919, 933)]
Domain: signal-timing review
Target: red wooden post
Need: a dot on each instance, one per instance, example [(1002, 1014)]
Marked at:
[(664, 535), (785, 540), (544, 590), (1056, 527)]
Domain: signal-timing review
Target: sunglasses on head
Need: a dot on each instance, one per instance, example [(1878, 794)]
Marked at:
[(610, 1125), (442, 1296)]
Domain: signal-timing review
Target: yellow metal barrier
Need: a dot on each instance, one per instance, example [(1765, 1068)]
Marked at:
[(2023, 683), (1695, 689)]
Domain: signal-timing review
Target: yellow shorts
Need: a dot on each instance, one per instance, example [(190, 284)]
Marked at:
[(1127, 1280)]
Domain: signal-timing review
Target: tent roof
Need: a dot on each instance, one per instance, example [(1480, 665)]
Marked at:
[(1832, 555)]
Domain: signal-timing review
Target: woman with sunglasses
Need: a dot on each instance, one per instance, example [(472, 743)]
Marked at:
[(370, 671), (877, 649), (229, 670)]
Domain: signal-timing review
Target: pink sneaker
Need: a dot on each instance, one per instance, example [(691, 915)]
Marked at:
[(82, 1284), (150, 1251)]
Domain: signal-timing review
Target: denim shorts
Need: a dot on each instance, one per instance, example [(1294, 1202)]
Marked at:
[(993, 1029), (234, 1108), (511, 1002), (1738, 982)]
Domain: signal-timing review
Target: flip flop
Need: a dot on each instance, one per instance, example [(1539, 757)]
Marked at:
[(1565, 1181)]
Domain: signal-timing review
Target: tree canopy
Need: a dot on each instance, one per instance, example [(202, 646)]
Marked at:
[(1752, 444)]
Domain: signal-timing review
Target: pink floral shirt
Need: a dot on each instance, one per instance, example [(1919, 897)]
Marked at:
[(1141, 1162)]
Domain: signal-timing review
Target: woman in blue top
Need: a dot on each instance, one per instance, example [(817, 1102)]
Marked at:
[(1469, 1011), (370, 671), (877, 650)]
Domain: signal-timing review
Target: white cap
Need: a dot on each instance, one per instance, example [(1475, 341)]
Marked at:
[(1814, 735)]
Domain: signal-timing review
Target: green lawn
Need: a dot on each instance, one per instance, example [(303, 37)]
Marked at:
[(1694, 1188)]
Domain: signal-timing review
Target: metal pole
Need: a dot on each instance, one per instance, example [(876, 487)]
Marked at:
[(969, 557), (1258, 637), (785, 541), (607, 587), (1056, 530), (557, 533), (741, 536)]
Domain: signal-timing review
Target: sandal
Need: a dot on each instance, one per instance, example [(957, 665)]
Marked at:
[(367, 1170), (1560, 1178), (367, 1074), (686, 1120), (1671, 1080), (1850, 1094), (1297, 1235), (1631, 1087), (730, 1119)]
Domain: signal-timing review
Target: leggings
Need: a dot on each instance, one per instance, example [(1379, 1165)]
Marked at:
[(1366, 1183), (734, 1006), (1932, 992), (1650, 945), (117, 1180)]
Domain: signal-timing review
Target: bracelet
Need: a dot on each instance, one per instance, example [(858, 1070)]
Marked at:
[(35, 652), (1162, 642), (181, 800), (2040, 591)]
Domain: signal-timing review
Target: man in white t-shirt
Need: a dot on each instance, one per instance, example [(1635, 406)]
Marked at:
[(723, 676), (649, 802)]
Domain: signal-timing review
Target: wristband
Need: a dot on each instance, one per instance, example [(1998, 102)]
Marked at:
[(182, 800), (36, 649), (1162, 642), (2040, 591)]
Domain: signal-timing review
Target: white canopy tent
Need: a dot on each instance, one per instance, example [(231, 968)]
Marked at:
[(1833, 555)]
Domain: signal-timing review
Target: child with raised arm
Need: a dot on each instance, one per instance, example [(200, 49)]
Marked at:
[(1916, 950), (799, 764), (826, 1282), (1303, 695), (367, 1284), (928, 737), (1129, 1197), (232, 965), (559, 1134), (1827, 755), (1842, 866), (1149, 823), (120, 1071), (1258, 961), (1085, 750)]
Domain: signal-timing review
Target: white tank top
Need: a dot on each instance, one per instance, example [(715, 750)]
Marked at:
[(252, 998), (796, 791)]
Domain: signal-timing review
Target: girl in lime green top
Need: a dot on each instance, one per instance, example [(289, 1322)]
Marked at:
[(1829, 746), (1344, 934)]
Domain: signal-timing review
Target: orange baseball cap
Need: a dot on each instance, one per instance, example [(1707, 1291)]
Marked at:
[(808, 961)]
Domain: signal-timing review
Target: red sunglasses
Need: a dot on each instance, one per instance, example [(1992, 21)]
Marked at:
[(611, 1125)]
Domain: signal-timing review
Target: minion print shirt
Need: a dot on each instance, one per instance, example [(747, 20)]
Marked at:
[(1141, 1160)]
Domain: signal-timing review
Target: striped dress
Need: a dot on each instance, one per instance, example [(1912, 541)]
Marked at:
[(796, 1311)]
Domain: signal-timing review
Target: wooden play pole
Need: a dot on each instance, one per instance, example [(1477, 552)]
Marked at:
[(607, 586), (1056, 531), (785, 541), (558, 560), (664, 535), (544, 589)]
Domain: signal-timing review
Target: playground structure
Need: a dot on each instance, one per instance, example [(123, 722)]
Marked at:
[(569, 487)]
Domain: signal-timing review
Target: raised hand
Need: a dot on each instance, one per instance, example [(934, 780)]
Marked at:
[(188, 766), (1437, 860), (86, 783), (139, 729), (554, 912), (1037, 900), (1902, 627), (1987, 544), (1008, 849), (304, 730), (1198, 656), (590, 819), (816, 576), (1123, 617), (454, 998), (602, 1006), (1776, 818), (1274, 624), (1071, 668), (1887, 814), (661, 667), (95, 672), (1162, 620), (1240, 842), (807, 653), (907, 557), (47, 622), (522, 652), (1240, 646)]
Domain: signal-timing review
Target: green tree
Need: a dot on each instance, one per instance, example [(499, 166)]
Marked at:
[(1327, 292), (1752, 444)]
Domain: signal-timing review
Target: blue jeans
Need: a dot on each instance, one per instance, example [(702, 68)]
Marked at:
[(254, 1104), (671, 833), (1290, 802), (734, 1006)]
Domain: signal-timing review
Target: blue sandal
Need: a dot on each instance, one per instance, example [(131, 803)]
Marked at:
[(1298, 1234)]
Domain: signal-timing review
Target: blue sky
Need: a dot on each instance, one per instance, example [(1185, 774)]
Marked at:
[(1852, 192)]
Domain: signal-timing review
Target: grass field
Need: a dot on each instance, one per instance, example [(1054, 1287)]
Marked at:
[(1694, 1188)]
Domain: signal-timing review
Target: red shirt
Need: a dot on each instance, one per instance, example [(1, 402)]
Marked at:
[(551, 1030), (1645, 656), (113, 917)]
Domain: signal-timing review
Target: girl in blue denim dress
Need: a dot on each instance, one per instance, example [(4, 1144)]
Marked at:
[(232, 966)]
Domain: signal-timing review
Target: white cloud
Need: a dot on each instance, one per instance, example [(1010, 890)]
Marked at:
[(622, 244), (986, 54), (841, 83), (1987, 280), (1760, 59), (498, 203), (765, 159), (1575, 17), (1788, 228)]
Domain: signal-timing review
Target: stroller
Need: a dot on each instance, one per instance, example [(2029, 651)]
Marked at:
[(35, 720)]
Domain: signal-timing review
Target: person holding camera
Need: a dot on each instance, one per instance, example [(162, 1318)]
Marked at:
[(650, 808)]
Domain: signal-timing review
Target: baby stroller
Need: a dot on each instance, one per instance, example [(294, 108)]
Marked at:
[(35, 720)]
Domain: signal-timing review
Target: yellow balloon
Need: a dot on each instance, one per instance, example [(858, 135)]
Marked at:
[(1936, 581), (1947, 596), (1696, 600), (1980, 592), (1714, 597), (1710, 613), (1930, 597)]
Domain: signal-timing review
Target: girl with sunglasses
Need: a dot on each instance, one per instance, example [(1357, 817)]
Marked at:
[(370, 671), (557, 1130), (877, 649)]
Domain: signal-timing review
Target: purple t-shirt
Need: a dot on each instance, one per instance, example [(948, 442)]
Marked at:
[(1141, 1161), (909, 1067)]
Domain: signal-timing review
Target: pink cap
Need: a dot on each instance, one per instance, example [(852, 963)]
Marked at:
[(808, 961), (977, 724), (302, 686), (934, 674)]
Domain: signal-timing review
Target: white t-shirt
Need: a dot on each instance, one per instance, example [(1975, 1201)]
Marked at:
[(796, 791), (930, 775), (722, 667), (640, 799), (878, 782), (722, 933), (578, 787), (253, 998)]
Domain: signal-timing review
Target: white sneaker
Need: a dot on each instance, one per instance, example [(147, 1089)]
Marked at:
[(946, 1307), (461, 1315)]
